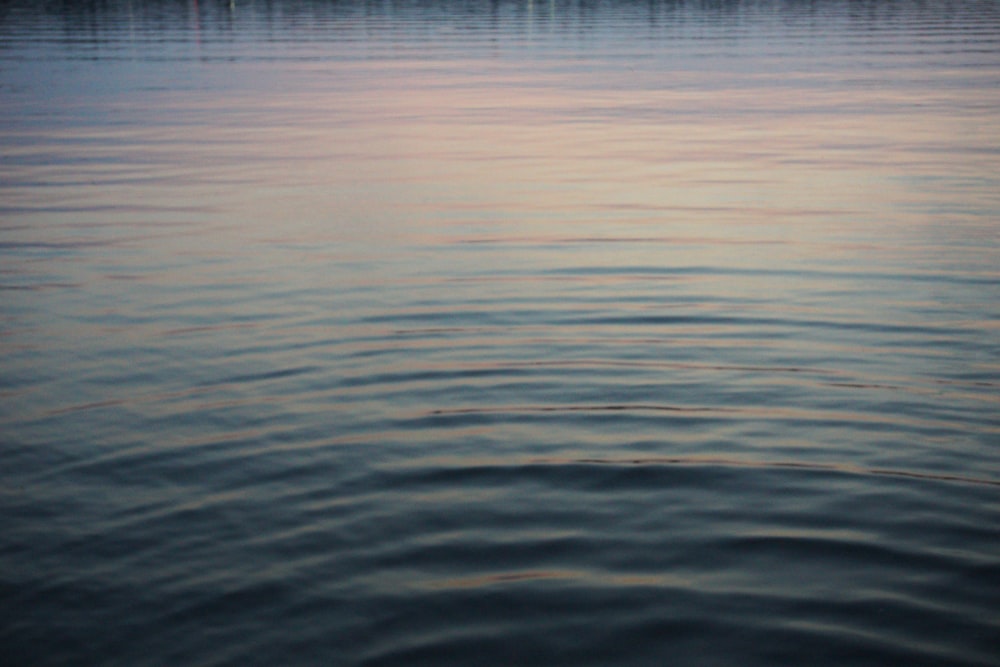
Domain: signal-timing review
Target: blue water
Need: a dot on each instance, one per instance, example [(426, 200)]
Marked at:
[(499, 333)]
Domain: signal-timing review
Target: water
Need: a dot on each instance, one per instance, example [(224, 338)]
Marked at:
[(512, 332)]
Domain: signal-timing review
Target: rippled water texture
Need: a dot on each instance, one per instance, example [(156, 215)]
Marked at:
[(499, 333)]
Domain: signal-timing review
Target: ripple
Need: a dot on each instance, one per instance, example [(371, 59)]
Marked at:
[(521, 333)]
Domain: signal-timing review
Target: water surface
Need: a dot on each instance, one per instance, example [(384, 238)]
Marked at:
[(467, 332)]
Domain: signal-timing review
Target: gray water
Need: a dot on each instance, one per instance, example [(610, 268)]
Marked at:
[(499, 333)]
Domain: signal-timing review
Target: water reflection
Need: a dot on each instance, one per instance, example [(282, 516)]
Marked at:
[(507, 332), (735, 19)]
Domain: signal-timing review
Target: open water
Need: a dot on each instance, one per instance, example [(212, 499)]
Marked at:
[(456, 332)]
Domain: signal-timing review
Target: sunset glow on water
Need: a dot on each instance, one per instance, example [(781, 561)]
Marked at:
[(516, 332)]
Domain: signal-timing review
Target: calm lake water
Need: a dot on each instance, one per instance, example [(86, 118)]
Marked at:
[(467, 332)]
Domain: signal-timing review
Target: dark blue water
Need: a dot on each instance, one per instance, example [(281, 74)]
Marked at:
[(499, 333)]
